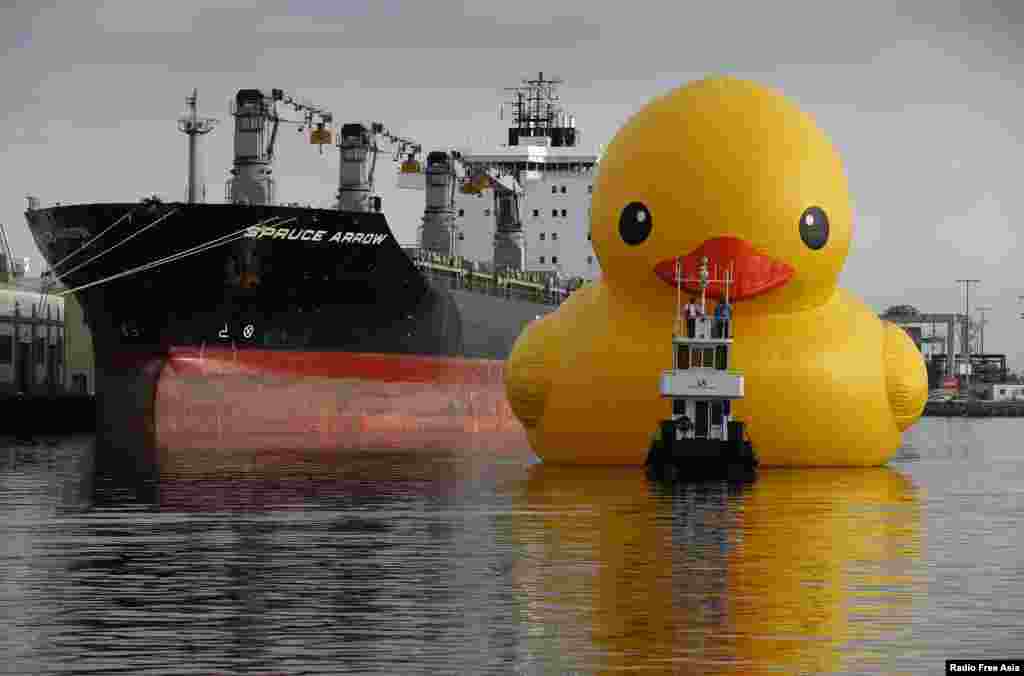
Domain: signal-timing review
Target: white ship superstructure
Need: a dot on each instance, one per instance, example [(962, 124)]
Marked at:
[(554, 207), (540, 182)]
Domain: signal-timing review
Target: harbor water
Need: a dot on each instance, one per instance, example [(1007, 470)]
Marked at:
[(460, 562)]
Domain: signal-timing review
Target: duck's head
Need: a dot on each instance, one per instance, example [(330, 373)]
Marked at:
[(731, 170)]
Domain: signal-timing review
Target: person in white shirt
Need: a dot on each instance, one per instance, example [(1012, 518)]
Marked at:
[(691, 311)]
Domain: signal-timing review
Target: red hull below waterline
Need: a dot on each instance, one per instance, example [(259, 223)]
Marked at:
[(264, 400)]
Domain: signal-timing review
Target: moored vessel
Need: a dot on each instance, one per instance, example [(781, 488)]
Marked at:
[(256, 324)]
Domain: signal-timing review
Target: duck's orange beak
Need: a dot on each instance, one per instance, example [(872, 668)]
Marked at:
[(753, 272)]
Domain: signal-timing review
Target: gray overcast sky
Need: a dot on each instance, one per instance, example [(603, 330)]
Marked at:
[(922, 98)]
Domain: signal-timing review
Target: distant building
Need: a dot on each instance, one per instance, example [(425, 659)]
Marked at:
[(1005, 392), (45, 347)]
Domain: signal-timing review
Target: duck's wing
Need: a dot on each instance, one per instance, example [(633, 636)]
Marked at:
[(527, 378), (905, 376)]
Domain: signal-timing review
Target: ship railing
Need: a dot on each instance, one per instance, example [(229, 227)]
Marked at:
[(720, 328), (462, 273)]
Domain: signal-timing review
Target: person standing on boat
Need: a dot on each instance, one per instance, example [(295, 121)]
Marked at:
[(691, 310), (685, 426), (723, 313)]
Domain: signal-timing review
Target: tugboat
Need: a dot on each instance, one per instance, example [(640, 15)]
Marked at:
[(701, 441)]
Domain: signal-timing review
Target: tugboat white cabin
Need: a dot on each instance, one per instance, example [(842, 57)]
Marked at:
[(701, 385)]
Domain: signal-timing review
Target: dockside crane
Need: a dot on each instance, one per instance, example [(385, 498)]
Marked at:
[(6, 257)]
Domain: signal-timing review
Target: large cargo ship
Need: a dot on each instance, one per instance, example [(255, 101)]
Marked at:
[(254, 324)]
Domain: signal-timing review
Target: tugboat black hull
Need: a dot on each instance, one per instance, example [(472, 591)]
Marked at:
[(690, 459)]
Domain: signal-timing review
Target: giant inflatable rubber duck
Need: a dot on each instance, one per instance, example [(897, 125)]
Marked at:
[(731, 170)]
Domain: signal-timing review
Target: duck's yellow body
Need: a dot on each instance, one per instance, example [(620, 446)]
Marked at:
[(826, 382)]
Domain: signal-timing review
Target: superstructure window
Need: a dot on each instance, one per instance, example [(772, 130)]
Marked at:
[(541, 259), (554, 189), (554, 213), (462, 212), (590, 260), (563, 213), (554, 235), (487, 212), (563, 189), (536, 213), (554, 259), (590, 188), (462, 235), (542, 236), (588, 236)]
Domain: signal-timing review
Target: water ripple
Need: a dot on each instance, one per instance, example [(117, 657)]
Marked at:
[(453, 563)]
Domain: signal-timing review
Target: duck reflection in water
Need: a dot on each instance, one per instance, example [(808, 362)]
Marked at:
[(807, 570)]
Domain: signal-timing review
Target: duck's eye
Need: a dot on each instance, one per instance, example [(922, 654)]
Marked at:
[(814, 227), (635, 223)]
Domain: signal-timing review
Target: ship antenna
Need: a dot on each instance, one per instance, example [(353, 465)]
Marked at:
[(679, 295), (728, 280), (703, 283), (194, 126)]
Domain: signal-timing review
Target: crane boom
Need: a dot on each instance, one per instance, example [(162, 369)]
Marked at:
[(311, 115)]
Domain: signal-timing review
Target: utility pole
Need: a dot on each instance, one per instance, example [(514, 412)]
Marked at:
[(982, 309), (967, 323)]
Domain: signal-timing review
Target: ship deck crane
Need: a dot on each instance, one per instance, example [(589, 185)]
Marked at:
[(257, 122), (316, 118), (506, 199)]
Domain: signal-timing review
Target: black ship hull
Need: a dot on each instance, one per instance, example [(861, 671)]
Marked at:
[(278, 326)]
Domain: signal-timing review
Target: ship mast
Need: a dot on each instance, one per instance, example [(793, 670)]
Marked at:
[(194, 126), (538, 114)]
